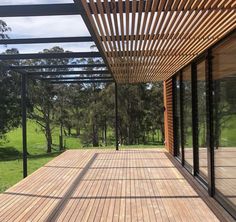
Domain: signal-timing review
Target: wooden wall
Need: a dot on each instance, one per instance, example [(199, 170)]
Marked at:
[(168, 116)]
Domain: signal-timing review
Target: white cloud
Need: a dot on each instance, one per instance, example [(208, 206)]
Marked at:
[(45, 26)]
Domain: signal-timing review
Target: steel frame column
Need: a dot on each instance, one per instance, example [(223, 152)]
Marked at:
[(24, 122), (116, 117), (194, 119), (210, 138), (181, 118)]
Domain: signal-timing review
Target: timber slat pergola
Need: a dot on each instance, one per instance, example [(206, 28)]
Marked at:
[(146, 41), (138, 41)]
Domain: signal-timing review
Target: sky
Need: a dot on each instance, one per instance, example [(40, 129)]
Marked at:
[(45, 26)]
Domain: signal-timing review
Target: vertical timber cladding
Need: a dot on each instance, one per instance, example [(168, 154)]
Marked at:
[(168, 116)]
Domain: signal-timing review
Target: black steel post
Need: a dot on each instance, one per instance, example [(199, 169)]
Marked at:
[(181, 117), (24, 121), (61, 137), (116, 117), (210, 138), (194, 119)]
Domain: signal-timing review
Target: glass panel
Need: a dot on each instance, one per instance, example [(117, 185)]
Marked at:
[(202, 127), (178, 123), (187, 116), (224, 83)]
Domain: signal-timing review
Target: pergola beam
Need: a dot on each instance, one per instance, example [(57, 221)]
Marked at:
[(46, 40), (77, 78), (50, 55), (71, 9), (81, 81), (81, 72), (58, 66), (38, 10)]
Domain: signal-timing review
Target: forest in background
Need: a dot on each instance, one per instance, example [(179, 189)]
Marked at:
[(85, 111)]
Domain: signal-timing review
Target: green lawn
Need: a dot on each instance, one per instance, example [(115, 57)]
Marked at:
[(11, 152)]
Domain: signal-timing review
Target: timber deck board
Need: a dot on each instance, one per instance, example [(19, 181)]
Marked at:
[(105, 185)]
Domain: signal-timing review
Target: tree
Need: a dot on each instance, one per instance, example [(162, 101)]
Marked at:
[(43, 96), (10, 100), (10, 112)]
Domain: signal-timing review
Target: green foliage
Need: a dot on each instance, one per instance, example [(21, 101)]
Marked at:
[(10, 101), (43, 96)]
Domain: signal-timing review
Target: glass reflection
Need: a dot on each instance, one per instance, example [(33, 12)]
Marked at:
[(202, 126), (187, 116), (224, 107)]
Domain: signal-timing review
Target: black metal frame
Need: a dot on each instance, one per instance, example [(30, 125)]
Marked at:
[(46, 40), (67, 73), (116, 117), (210, 138), (50, 55), (66, 9), (59, 80), (194, 119), (24, 122), (25, 67), (181, 118), (79, 81), (76, 78), (59, 76)]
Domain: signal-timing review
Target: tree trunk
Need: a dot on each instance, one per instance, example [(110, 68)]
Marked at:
[(69, 130), (153, 136), (78, 131), (95, 136), (162, 133), (105, 132), (48, 132), (48, 138)]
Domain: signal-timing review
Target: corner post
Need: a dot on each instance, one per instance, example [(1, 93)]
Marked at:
[(116, 117), (195, 118), (24, 122), (210, 134)]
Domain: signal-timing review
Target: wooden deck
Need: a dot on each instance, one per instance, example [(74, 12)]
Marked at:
[(95, 185)]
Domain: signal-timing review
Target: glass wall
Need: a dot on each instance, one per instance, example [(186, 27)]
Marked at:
[(202, 115), (187, 116), (224, 109), (220, 73)]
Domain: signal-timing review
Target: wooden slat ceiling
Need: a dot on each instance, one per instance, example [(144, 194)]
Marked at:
[(148, 41)]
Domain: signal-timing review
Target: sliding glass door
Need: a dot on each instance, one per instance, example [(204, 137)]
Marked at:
[(205, 120)]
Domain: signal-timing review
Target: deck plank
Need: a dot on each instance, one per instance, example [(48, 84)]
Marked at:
[(105, 185)]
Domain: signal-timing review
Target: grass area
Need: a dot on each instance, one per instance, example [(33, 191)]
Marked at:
[(35, 140), (10, 152), (11, 171)]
